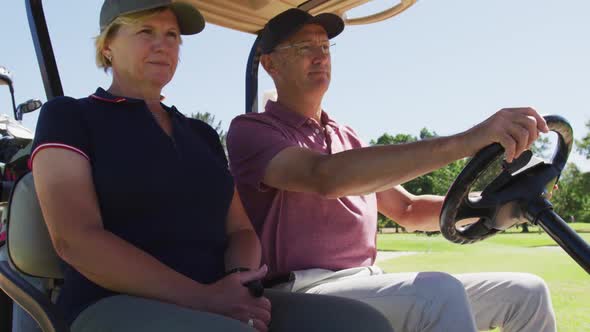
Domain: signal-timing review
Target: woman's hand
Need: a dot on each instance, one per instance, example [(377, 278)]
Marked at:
[(229, 297)]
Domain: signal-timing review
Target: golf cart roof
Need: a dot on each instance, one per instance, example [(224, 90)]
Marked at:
[(251, 15)]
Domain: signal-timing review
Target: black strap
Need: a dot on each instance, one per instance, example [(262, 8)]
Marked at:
[(277, 280)]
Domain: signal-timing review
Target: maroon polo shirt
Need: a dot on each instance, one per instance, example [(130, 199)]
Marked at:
[(300, 230)]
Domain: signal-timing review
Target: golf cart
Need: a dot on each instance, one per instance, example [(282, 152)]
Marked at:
[(31, 252), (14, 139), (15, 143)]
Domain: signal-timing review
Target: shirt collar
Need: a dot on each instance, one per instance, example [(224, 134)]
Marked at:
[(327, 120), (107, 97), (291, 118)]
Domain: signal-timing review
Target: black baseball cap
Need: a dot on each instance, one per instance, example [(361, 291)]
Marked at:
[(290, 21), (189, 18)]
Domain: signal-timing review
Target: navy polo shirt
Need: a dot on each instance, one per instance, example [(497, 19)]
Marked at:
[(167, 195)]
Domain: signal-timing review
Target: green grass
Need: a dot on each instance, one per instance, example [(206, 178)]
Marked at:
[(579, 227), (516, 252), (422, 242)]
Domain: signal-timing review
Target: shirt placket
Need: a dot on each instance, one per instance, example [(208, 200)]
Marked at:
[(333, 140), (317, 134)]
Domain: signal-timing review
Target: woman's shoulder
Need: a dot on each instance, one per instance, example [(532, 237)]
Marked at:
[(64, 112), (65, 104)]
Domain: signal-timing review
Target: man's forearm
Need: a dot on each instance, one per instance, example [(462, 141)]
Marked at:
[(414, 213), (424, 213), (372, 169)]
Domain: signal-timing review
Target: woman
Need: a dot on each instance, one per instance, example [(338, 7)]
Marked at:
[(139, 202)]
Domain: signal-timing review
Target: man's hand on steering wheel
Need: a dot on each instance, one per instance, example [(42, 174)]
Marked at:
[(514, 128)]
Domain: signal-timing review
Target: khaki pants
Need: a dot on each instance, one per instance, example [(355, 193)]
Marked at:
[(290, 312), (434, 301)]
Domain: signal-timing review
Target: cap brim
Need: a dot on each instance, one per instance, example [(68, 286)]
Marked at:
[(332, 23), (189, 18)]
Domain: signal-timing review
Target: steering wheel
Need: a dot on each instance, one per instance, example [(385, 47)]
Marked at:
[(517, 194)]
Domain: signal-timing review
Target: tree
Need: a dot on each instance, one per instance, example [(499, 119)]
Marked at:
[(541, 147), (572, 200), (583, 145), (386, 139), (209, 119), (425, 133)]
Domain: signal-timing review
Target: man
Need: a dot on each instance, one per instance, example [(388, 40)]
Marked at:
[(312, 191)]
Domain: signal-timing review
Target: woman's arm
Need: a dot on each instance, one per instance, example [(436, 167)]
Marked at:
[(243, 247), (68, 200), (69, 204)]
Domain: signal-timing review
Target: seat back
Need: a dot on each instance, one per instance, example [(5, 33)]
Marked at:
[(31, 252), (29, 246)]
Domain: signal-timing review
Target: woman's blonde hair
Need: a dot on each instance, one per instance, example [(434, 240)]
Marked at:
[(111, 30)]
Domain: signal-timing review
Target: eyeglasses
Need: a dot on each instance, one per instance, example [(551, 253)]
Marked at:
[(307, 48)]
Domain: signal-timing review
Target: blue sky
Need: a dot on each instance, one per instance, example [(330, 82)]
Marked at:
[(444, 65)]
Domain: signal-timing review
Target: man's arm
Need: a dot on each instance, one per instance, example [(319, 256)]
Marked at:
[(243, 248), (414, 213), (372, 169), (359, 171)]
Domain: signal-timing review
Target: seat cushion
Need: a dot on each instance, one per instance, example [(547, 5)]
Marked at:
[(29, 246)]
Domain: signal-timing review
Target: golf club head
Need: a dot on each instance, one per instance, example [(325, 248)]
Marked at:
[(5, 77)]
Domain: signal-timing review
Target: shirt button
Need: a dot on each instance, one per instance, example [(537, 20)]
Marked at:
[(317, 131)]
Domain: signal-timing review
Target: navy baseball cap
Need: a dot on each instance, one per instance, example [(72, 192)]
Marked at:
[(290, 21), (189, 18)]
